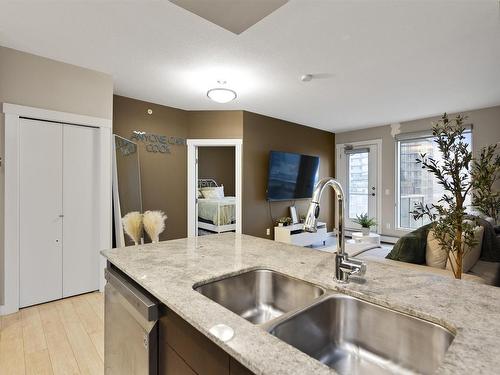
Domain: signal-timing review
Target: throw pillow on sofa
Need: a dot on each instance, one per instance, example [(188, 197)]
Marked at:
[(411, 247), (471, 255), (435, 256)]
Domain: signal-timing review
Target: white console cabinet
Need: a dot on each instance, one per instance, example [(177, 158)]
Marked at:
[(295, 235)]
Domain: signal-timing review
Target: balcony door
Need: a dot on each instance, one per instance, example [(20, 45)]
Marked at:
[(358, 172)]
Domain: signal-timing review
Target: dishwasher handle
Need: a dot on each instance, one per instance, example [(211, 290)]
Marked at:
[(141, 302)]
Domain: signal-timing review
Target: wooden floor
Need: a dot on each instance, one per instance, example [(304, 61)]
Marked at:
[(62, 337)]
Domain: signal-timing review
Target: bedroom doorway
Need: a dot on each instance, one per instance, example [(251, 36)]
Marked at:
[(214, 186)]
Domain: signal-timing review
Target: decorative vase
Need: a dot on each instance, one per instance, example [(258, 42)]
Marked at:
[(365, 231)]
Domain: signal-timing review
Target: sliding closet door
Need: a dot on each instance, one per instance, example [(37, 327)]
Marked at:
[(80, 202), (40, 208)]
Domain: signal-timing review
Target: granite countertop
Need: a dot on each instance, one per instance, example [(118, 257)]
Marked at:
[(169, 270)]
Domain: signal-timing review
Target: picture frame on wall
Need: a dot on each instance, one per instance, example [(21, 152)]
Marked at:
[(293, 215)]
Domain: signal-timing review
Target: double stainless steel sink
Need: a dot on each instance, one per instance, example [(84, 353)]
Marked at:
[(260, 295), (345, 333)]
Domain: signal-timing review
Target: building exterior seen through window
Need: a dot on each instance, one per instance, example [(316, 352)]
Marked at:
[(417, 185), (357, 184)]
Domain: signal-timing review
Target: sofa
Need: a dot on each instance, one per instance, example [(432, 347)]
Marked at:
[(410, 252)]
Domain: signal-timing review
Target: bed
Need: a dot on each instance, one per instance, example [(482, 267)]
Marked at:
[(216, 213)]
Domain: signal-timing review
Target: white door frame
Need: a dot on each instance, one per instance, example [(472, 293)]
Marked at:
[(12, 115), (192, 185), (340, 169)]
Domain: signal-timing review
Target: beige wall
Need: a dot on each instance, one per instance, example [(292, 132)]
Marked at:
[(39, 82), (218, 163), (262, 134), (486, 130), (34, 81)]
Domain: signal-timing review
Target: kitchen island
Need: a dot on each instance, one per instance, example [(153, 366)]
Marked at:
[(170, 269)]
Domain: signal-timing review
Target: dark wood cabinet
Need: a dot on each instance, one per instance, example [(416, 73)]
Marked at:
[(171, 363), (183, 350), (236, 368)]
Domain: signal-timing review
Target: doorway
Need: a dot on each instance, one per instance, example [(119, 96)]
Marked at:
[(214, 186), (359, 172)]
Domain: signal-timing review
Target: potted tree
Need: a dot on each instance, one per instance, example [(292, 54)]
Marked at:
[(454, 234), (365, 222)]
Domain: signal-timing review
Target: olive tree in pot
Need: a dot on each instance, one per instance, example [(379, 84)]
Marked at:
[(485, 176), (453, 233), (365, 222)]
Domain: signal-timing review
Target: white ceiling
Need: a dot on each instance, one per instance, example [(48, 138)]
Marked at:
[(377, 62)]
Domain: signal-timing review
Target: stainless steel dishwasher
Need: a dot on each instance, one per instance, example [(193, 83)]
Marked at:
[(130, 327)]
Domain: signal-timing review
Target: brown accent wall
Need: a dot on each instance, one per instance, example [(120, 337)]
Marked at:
[(215, 124), (262, 134), (218, 163), (163, 176)]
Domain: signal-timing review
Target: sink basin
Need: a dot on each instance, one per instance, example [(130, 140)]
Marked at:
[(357, 337), (260, 295)]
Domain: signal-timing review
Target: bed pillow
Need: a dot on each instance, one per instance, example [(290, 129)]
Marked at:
[(213, 192)]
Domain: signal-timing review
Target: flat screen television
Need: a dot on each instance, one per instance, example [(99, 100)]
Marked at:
[(291, 176)]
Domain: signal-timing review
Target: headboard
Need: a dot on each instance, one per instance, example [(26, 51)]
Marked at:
[(206, 182)]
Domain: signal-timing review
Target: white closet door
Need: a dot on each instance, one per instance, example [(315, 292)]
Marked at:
[(80, 204), (40, 208)]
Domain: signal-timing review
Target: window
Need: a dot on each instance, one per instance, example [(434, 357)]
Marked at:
[(358, 183), (415, 184)]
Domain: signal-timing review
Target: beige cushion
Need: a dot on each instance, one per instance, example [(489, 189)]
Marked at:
[(472, 254), (213, 192), (435, 256)]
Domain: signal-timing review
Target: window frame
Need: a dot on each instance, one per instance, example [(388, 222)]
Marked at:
[(412, 136)]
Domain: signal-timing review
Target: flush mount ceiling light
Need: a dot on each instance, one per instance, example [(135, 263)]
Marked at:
[(221, 95)]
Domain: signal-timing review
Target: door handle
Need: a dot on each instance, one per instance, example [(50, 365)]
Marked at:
[(61, 215)]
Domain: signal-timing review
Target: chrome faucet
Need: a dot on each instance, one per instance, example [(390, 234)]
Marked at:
[(344, 267)]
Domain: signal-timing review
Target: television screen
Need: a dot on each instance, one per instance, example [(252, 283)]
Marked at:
[(291, 176)]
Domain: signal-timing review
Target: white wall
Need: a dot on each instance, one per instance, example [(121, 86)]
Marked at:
[(35, 81), (486, 130)]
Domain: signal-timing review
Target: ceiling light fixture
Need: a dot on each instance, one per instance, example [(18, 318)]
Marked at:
[(221, 95)]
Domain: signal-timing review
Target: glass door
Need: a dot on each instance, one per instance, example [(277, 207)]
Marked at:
[(358, 176)]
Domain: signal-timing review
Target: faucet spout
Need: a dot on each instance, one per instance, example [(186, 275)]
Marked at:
[(343, 265)]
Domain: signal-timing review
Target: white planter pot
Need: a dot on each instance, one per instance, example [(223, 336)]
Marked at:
[(365, 231)]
